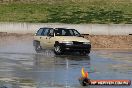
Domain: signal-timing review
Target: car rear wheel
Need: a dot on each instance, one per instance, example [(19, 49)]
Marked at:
[(38, 47), (58, 50)]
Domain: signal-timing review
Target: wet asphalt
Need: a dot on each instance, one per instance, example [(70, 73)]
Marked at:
[(22, 67)]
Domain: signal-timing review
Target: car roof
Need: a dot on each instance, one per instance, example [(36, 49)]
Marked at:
[(46, 28), (64, 28), (55, 28)]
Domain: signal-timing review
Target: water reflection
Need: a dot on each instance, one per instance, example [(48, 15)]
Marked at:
[(41, 70), (43, 60), (59, 70), (23, 70)]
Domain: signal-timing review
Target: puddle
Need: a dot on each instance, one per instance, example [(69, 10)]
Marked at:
[(22, 67)]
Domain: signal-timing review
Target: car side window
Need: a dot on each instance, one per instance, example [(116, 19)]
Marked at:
[(63, 32), (39, 32), (76, 33), (51, 32), (45, 32), (71, 32)]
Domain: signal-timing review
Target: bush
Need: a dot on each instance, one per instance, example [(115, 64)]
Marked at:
[(89, 16)]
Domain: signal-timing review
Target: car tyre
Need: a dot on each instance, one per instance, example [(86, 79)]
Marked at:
[(58, 50), (38, 47)]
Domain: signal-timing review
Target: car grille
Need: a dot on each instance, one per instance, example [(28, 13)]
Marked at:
[(77, 43)]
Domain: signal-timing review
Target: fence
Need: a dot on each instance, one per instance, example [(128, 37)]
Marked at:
[(91, 29)]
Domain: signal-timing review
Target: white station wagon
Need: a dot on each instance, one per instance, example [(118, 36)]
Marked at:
[(61, 40)]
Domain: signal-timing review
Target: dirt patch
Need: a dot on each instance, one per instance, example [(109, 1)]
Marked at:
[(14, 36), (8, 38), (97, 41), (111, 41)]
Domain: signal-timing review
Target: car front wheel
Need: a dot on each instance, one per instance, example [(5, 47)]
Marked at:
[(58, 50)]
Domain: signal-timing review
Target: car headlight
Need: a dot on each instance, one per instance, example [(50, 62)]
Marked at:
[(67, 42), (86, 42)]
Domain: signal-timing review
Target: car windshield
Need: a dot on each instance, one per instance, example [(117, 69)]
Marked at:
[(66, 32)]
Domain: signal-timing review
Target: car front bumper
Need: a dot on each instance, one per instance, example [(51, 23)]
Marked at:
[(74, 47)]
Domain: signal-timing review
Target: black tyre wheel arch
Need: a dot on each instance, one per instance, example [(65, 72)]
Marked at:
[(37, 46), (57, 44)]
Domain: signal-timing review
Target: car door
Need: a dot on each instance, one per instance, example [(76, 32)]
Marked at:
[(38, 34), (44, 38), (51, 39)]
